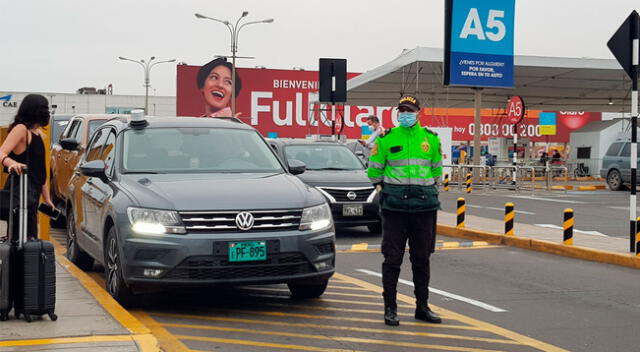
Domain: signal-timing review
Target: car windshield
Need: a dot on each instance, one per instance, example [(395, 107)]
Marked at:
[(324, 157), (197, 150)]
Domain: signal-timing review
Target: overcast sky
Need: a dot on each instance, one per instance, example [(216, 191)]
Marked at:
[(61, 45)]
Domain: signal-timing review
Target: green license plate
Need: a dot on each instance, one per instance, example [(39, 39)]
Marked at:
[(247, 251)]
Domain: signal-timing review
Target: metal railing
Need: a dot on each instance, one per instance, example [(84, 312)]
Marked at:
[(528, 177)]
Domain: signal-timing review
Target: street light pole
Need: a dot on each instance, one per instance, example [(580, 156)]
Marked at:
[(234, 30), (146, 66)]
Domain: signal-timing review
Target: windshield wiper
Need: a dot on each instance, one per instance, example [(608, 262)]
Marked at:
[(330, 168)]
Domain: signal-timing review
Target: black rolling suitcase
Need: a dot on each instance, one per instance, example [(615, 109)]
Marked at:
[(35, 270), (7, 257)]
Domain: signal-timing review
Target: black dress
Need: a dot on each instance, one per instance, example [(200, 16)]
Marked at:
[(34, 158)]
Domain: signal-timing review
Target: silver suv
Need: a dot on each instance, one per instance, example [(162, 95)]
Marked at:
[(616, 165)]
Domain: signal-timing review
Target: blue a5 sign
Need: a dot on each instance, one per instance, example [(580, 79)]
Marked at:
[(479, 43)]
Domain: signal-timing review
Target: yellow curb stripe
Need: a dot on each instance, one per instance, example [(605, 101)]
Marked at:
[(450, 244), (321, 317), (359, 246), (524, 340), (275, 290), (338, 287), (329, 327), (584, 253), (67, 340), (335, 338), (167, 340)]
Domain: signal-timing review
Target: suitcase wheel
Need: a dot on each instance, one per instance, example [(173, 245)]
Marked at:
[(17, 315), (27, 317), (53, 316)]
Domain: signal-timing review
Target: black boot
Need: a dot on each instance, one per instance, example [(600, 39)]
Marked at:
[(424, 313), (391, 315)]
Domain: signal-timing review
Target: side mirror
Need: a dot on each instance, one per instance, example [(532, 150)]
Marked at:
[(296, 167), (360, 154), (69, 144), (95, 168)]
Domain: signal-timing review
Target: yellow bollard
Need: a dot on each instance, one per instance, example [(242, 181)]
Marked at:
[(461, 209), (509, 217), (568, 227), (469, 183), (446, 182), (637, 237)]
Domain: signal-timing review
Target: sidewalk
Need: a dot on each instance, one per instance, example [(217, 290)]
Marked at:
[(612, 250), (85, 322)]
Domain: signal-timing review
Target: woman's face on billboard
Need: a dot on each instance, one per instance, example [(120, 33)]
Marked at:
[(217, 87)]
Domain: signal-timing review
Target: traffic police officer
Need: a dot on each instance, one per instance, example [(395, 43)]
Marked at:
[(405, 165)]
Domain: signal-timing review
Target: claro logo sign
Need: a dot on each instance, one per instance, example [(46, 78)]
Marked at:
[(7, 103)]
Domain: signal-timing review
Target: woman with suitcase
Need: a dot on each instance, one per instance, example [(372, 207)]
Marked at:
[(25, 145)]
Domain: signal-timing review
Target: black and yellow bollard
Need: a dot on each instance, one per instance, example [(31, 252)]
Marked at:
[(469, 183), (509, 217), (461, 209), (446, 182), (568, 227), (637, 237)]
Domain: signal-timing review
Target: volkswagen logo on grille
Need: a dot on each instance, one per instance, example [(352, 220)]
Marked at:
[(244, 221), (352, 195)]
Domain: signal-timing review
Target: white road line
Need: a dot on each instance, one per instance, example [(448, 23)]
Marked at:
[(550, 200), (443, 293), (499, 209), (622, 208), (594, 233)]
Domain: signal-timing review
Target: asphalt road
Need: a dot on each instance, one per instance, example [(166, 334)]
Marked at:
[(491, 299), (603, 211)]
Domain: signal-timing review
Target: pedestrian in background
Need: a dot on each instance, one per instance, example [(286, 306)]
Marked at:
[(376, 130), (405, 165)]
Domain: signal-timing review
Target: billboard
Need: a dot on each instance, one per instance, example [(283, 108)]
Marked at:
[(277, 103), (479, 43)]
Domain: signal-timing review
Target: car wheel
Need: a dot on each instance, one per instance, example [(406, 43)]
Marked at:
[(308, 291), (115, 284), (75, 254), (614, 180), (377, 228)]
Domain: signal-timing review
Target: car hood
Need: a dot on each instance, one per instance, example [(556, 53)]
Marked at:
[(335, 178), (232, 191)]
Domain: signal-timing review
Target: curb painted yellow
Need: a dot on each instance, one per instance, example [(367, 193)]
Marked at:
[(141, 334), (167, 340), (357, 247), (462, 318), (578, 252)]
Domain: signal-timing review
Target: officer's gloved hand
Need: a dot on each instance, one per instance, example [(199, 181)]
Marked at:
[(379, 187)]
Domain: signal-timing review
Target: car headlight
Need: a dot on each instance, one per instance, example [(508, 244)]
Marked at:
[(316, 218), (155, 222)]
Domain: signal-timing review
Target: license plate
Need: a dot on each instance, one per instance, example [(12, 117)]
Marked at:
[(352, 210), (247, 251)]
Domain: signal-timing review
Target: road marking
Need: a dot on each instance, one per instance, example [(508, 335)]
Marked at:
[(444, 293), (622, 208), (556, 227), (323, 327), (525, 340), (261, 290), (549, 199), (68, 340), (268, 344), (499, 209), (347, 288), (167, 340), (333, 338)]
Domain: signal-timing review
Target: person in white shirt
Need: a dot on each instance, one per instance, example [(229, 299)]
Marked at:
[(376, 130)]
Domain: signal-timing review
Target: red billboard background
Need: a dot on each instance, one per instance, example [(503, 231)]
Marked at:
[(276, 102)]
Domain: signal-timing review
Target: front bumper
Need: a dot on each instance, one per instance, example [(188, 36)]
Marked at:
[(195, 260)]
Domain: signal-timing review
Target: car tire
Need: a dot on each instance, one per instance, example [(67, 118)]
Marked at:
[(114, 281), (307, 291), (614, 180), (377, 228), (74, 253)]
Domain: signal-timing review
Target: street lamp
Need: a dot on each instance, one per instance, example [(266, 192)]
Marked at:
[(234, 30), (147, 66)]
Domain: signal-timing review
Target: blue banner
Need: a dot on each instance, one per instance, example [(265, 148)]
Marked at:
[(481, 43)]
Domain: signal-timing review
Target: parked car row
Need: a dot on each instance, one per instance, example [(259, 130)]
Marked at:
[(178, 201)]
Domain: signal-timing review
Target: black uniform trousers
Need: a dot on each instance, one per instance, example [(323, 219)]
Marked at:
[(397, 228)]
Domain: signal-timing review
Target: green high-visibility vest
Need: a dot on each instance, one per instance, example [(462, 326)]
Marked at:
[(408, 162)]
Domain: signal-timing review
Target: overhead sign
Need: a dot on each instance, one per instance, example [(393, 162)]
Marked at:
[(547, 123), (515, 109), (479, 43), (620, 43)]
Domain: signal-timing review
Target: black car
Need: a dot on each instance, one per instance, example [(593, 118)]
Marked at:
[(175, 202), (334, 170)]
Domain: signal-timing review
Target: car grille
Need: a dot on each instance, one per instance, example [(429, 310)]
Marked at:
[(340, 194), (219, 268), (225, 221)]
